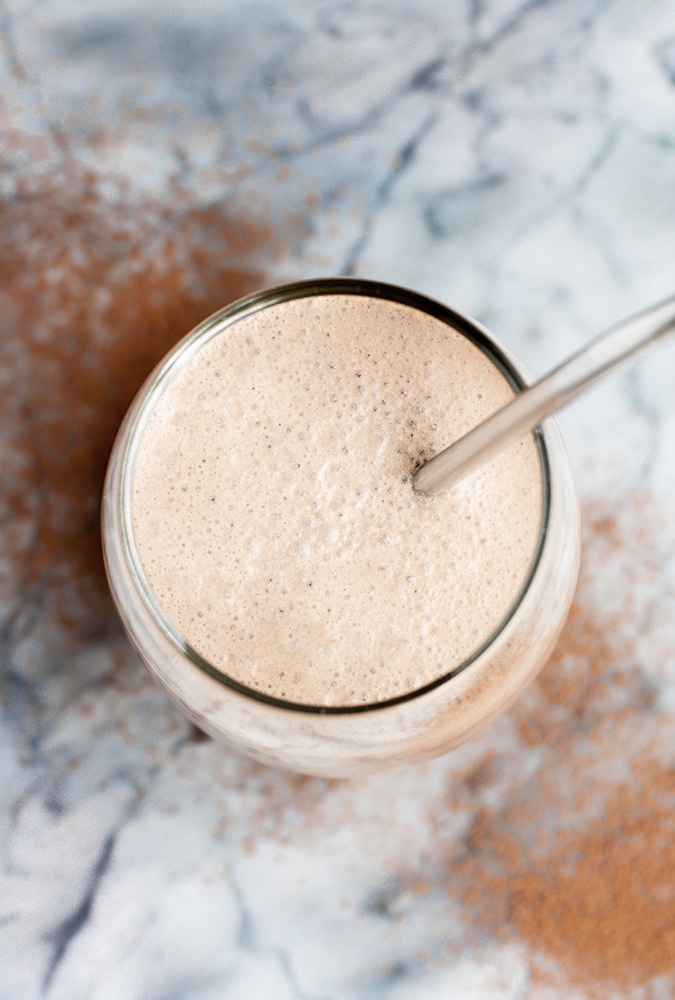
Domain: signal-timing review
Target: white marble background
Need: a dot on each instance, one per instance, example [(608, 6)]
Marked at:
[(513, 158)]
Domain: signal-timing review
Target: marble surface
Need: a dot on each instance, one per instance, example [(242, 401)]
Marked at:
[(515, 159)]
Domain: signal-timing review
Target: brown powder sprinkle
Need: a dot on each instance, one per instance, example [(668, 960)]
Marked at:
[(579, 859), (96, 285), (604, 903)]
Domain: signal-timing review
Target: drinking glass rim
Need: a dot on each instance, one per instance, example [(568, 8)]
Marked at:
[(212, 326)]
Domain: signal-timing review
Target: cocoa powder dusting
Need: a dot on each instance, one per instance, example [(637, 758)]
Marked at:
[(583, 870), (604, 903), (96, 285)]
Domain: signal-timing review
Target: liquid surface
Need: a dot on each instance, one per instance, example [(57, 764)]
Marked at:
[(275, 517)]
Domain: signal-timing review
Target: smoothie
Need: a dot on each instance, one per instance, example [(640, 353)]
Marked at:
[(274, 516)]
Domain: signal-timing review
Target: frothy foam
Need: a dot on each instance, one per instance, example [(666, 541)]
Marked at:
[(275, 517)]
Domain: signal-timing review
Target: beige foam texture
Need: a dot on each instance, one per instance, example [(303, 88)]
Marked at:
[(274, 512)]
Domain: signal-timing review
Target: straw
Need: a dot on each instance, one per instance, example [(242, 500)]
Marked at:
[(616, 345)]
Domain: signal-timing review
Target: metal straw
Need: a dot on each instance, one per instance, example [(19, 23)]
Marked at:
[(549, 394)]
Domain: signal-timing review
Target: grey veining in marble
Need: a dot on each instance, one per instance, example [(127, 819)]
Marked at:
[(514, 158)]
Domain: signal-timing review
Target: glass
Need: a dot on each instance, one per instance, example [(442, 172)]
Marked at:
[(342, 741)]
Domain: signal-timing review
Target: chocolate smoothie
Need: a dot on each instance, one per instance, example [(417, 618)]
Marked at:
[(275, 518)]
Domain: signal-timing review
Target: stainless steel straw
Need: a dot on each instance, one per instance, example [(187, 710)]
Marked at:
[(530, 407)]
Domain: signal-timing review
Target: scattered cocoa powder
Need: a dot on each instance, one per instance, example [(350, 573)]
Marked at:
[(95, 286), (603, 904), (579, 859)]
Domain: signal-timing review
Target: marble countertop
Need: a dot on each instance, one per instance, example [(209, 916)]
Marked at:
[(513, 158)]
